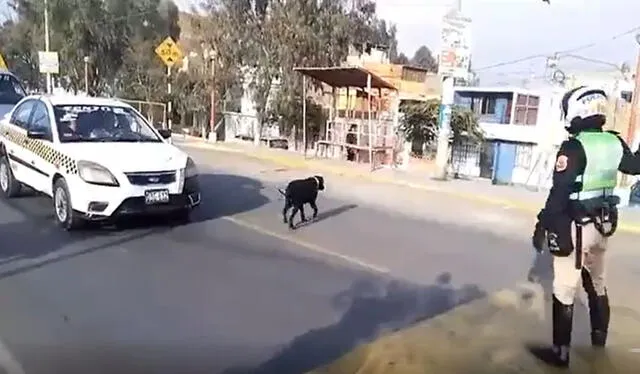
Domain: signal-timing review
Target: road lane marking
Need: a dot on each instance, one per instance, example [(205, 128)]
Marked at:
[(8, 362), (312, 247)]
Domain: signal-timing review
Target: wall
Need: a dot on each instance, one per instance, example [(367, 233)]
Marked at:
[(430, 88)]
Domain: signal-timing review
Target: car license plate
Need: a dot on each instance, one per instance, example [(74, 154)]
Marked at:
[(156, 197)]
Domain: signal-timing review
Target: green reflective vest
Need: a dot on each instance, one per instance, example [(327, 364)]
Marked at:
[(603, 153)]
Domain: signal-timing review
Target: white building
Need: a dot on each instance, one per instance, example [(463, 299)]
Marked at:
[(523, 129)]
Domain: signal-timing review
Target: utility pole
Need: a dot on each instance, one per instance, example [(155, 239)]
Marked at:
[(46, 40), (635, 101), (444, 120)]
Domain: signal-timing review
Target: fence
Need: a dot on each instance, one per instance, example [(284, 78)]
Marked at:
[(242, 126), (155, 112)]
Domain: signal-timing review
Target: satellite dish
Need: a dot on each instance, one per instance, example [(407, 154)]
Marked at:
[(558, 76)]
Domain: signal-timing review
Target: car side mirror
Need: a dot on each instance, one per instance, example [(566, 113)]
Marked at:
[(165, 133), (37, 134)]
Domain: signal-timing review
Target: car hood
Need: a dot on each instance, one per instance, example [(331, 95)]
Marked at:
[(128, 157)]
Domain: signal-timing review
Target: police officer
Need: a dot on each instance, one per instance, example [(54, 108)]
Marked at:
[(579, 215)]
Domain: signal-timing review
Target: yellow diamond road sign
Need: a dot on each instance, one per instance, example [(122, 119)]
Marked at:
[(3, 65), (169, 52)]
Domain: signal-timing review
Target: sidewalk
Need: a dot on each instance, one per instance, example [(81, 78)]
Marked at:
[(492, 335), (419, 176)]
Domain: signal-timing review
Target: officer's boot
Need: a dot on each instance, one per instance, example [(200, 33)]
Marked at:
[(599, 312), (558, 354)]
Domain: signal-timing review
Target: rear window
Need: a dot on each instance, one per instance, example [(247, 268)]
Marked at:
[(11, 91)]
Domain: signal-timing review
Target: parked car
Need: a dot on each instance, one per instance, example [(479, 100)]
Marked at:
[(11, 91)]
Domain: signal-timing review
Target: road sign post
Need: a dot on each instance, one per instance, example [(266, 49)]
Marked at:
[(49, 64), (170, 54)]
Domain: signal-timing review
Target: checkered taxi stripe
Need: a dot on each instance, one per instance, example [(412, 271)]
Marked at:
[(40, 148)]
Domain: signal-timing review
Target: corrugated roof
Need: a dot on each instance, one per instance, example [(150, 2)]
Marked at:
[(345, 77)]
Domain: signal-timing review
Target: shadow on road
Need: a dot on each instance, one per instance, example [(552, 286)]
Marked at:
[(371, 308), (541, 273), (326, 214), (227, 195), (36, 240)]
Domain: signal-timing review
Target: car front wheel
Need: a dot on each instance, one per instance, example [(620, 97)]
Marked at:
[(65, 216), (9, 186)]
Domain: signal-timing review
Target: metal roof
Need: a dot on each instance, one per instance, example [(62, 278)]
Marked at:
[(351, 76)]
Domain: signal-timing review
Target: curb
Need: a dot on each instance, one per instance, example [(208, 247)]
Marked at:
[(631, 228)]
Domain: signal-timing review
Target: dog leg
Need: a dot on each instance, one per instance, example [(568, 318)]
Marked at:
[(293, 214), (287, 206), (302, 213), (315, 209)]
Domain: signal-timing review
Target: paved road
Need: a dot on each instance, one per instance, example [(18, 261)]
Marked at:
[(235, 291)]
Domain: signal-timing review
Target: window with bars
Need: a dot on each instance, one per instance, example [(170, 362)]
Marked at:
[(526, 111)]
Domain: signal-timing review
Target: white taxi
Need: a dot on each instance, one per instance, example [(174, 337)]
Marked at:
[(97, 158)]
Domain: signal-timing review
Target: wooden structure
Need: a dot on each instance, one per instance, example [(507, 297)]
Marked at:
[(371, 130)]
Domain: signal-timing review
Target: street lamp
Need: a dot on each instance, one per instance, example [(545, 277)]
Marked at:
[(86, 75)]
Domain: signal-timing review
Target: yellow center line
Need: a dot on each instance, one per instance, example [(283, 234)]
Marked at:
[(309, 246)]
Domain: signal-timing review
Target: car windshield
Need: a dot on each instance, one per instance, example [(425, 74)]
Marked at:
[(101, 123), (11, 90)]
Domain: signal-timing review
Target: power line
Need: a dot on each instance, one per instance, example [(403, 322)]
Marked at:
[(563, 52)]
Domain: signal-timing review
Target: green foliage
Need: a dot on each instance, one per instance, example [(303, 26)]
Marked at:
[(420, 122), (267, 38), (118, 37), (270, 39), (424, 59)]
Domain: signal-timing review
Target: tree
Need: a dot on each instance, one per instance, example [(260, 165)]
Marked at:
[(420, 123), (113, 33), (401, 59), (424, 59), (281, 35)]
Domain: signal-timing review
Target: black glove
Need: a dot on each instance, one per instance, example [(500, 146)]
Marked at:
[(539, 237)]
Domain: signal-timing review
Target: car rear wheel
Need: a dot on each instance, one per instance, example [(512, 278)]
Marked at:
[(63, 212), (9, 186)]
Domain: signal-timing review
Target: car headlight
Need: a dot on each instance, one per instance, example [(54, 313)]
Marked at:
[(94, 173), (190, 170)]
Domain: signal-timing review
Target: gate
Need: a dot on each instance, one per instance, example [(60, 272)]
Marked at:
[(155, 112)]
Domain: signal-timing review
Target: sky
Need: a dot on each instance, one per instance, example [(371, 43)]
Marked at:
[(506, 30)]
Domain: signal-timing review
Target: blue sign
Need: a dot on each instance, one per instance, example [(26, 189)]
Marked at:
[(444, 117)]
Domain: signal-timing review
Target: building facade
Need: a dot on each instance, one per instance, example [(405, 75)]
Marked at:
[(522, 132)]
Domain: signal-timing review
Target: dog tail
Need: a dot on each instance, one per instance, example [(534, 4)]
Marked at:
[(282, 192)]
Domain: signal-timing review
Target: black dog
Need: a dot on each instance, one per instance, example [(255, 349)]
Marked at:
[(298, 193)]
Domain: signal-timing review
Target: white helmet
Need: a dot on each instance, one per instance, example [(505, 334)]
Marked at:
[(583, 102)]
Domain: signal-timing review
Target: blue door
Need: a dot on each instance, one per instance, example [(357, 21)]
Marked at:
[(505, 162)]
